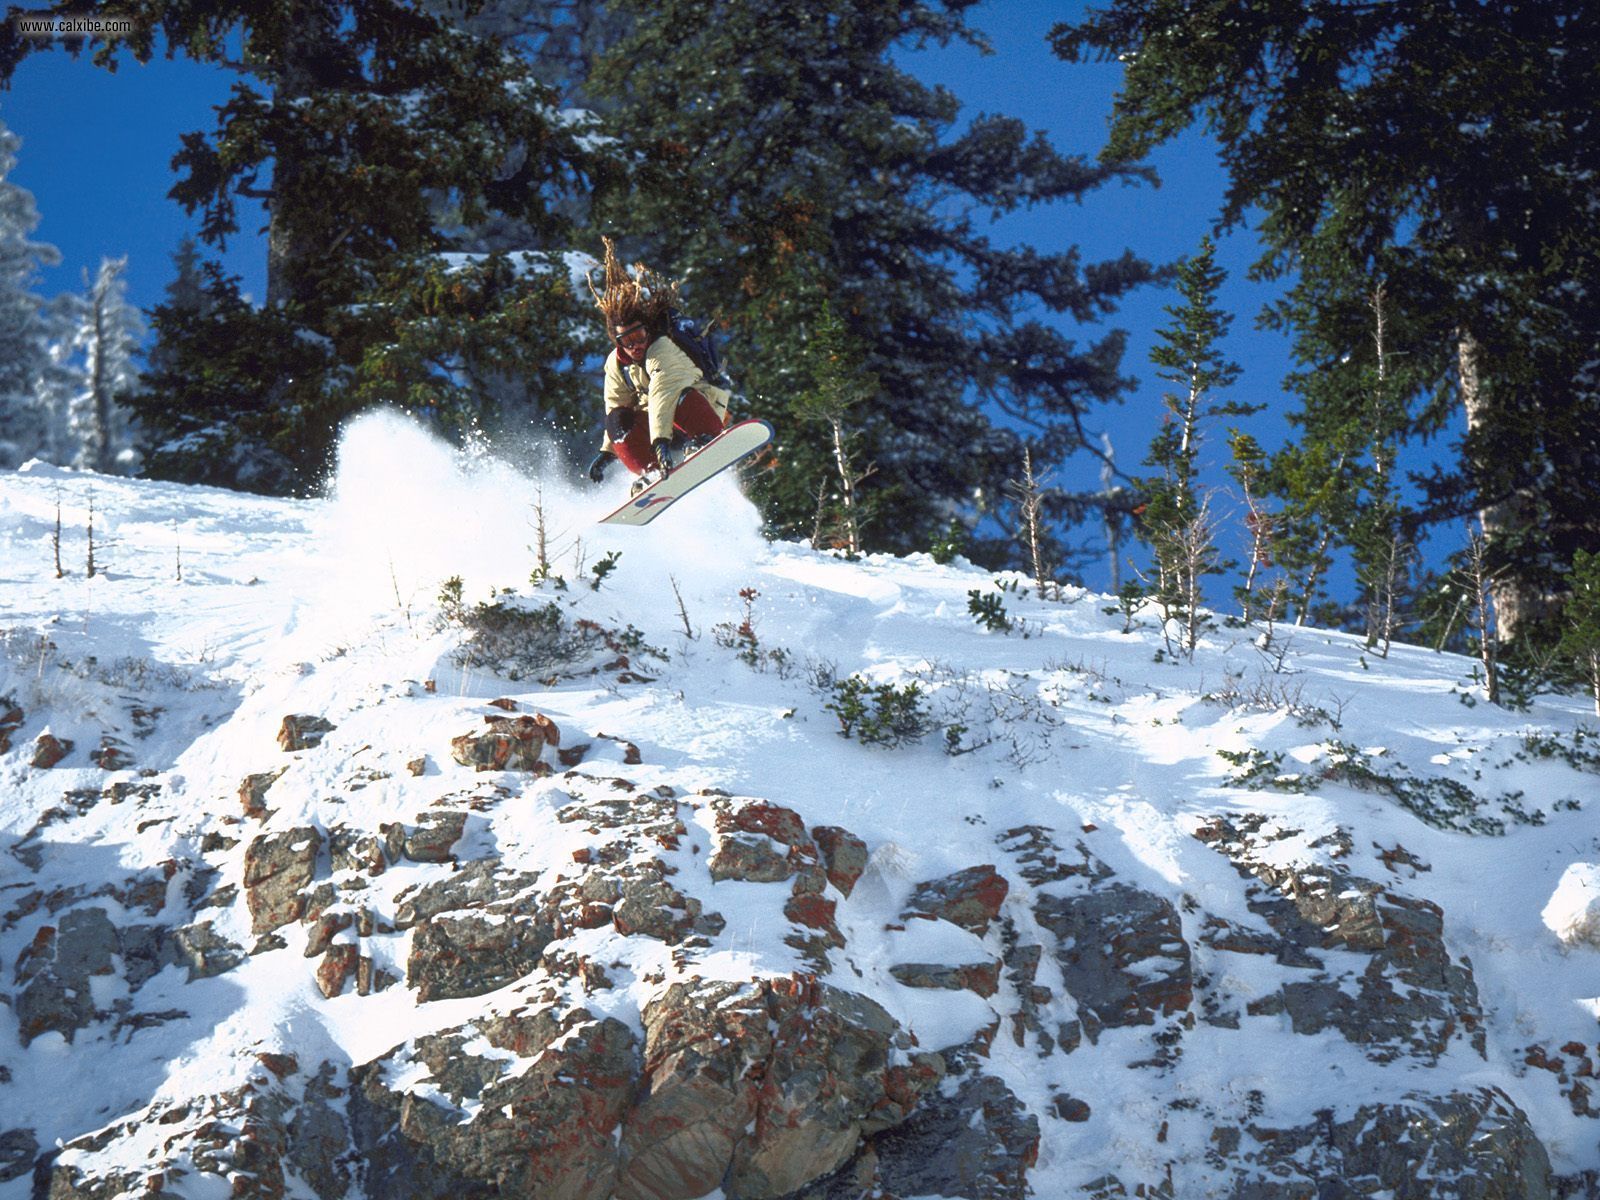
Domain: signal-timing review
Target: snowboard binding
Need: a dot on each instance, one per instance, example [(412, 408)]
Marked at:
[(646, 478)]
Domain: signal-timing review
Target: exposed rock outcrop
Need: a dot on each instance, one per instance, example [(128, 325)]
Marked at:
[(266, 1137), (609, 1055), (301, 731), (976, 1143), (970, 899), (758, 1088), (1412, 997), (1473, 1145), (509, 744), (55, 973), (276, 867), (50, 751), (844, 856), (1121, 952)]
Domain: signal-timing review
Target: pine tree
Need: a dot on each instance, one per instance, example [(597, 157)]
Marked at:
[(108, 333), (1341, 485), (836, 385), (1177, 519), (187, 290), (378, 136), (1189, 355), (209, 410), (1314, 479), (1448, 150), (776, 145), (29, 375), (1580, 640), (1262, 592)]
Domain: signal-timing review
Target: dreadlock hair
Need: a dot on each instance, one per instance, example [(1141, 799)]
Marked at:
[(631, 298)]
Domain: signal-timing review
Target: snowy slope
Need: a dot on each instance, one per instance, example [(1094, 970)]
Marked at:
[(1192, 785)]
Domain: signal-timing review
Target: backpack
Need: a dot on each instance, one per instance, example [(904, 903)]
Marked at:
[(687, 335)]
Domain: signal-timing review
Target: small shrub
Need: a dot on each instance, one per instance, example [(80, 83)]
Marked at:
[(1257, 769), (742, 639), (1442, 803), (451, 606), (603, 568), (543, 574), (1275, 693), (879, 714), (989, 611), (1577, 755), (1130, 599), (521, 643), (951, 543)]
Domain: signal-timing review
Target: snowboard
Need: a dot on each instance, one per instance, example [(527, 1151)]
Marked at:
[(727, 449)]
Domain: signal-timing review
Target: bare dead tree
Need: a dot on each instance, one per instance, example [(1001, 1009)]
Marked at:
[(850, 477), (1259, 525), (820, 523), (541, 542), (683, 612), (1112, 518), (1197, 554), (1186, 552), (1591, 664), (1385, 588), (1030, 502), (1481, 582), (1385, 578)]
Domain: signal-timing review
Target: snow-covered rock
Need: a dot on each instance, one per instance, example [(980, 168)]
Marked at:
[(1573, 913)]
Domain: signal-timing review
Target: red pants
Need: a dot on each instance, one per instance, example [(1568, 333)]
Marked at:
[(695, 418)]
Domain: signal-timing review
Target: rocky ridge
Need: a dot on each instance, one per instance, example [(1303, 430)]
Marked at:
[(764, 1084)]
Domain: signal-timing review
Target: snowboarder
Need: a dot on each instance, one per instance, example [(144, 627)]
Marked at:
[(659, 403)]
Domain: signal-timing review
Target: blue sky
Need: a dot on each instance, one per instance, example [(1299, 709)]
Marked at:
[(97, 146)]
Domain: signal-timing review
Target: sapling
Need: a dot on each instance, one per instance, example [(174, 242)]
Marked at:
[(988, 610), (1580, 640), (540, 539), (1030, 501), (606, 565), (837, 384), (55, 538), (91, 567), (683, 612), (1130, 598)]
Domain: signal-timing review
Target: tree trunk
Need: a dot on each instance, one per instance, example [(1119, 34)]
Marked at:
[(847, 484), (1516, 601), (99, 446)]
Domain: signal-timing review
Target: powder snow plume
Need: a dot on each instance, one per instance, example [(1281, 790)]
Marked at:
[(408, 511)]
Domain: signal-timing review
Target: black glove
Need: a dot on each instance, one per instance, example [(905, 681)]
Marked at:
[(597, 469), (666, 456), (618, 422)]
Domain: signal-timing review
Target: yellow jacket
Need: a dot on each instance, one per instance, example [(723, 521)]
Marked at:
[(655, 385)]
